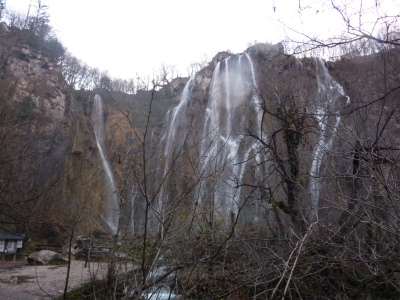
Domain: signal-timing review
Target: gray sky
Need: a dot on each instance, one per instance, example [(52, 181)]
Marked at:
[(129, 37)]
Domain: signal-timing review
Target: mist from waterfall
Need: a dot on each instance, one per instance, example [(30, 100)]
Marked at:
[(110, 206)]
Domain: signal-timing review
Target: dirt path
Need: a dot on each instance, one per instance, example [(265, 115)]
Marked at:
[(20, 281)]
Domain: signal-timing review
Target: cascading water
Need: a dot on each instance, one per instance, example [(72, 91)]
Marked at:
[(174, 139), (328, 93), (174, 136), (229, 156), (227, 150), (110, 206)]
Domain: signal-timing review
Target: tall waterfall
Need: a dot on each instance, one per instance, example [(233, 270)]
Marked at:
[(233, 166), (327, 116), (177, 119), (227, 149), (110, 206)]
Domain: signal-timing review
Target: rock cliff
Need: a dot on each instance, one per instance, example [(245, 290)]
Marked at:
[(37, 110), (52, 163)]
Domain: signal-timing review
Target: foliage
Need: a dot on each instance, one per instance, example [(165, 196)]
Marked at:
[(54, 48), (38, 25), (36, 31)]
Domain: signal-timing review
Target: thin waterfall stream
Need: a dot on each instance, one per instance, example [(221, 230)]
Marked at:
[(110, 206), (329, 91)]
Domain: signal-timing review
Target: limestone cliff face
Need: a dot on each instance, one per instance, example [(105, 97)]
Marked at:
[(37, 76), (57, 175), (40, 79), (313, 114), (61, 170), (37, 110)]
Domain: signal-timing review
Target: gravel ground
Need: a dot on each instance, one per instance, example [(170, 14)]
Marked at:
[(20, 281)]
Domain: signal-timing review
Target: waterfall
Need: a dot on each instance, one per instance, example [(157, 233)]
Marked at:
[(177, 120), (230, 159), (110, 206), (227, 150), (173, 139), (325, 111)]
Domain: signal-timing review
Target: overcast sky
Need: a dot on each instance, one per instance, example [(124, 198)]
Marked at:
[(129, 37)]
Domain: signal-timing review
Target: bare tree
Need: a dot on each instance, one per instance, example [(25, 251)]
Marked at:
[(363, 27)]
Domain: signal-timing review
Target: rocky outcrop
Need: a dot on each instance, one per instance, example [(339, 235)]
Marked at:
[(66, 160), (38, 107), (39, 78)]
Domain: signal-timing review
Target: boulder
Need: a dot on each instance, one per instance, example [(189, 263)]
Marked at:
[(45, 257)]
